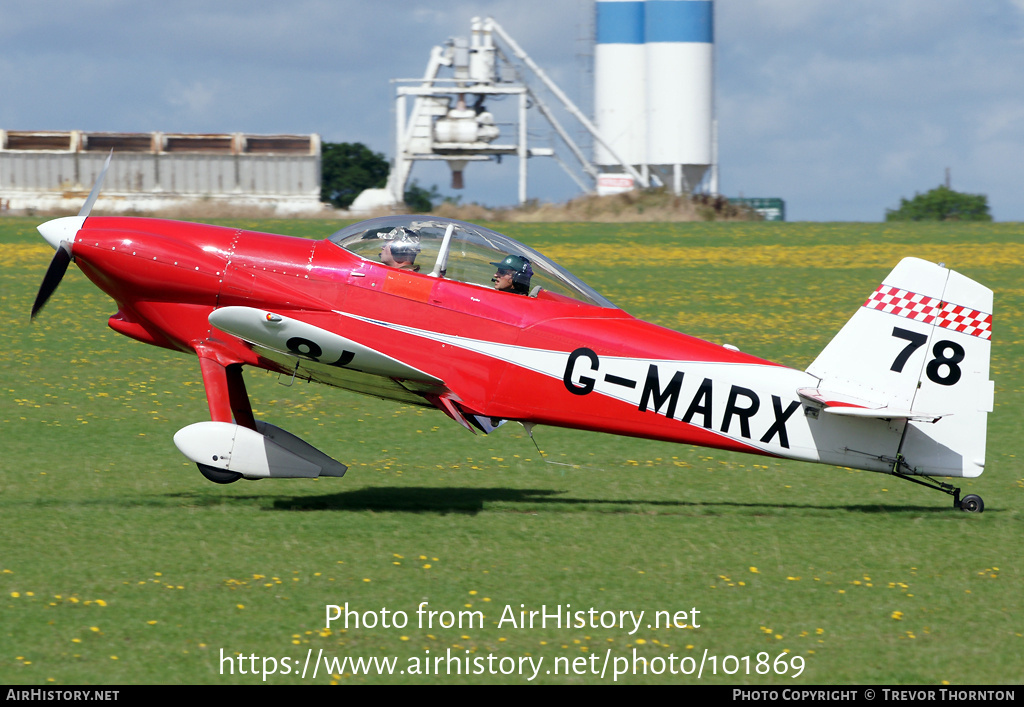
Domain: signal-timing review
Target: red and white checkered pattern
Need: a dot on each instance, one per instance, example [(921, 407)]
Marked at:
[(930, 310), (969, 321)]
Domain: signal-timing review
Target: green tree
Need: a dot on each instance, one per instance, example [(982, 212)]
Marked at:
[(346, 169), (420, 200), (941, 204)]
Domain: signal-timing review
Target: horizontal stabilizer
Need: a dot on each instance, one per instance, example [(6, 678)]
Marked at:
[(844, 405), (883, 414)]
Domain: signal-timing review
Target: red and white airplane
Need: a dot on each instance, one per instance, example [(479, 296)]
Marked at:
[(903, 389)]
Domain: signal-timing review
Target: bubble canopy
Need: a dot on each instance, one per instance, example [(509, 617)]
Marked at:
[(467, 256)]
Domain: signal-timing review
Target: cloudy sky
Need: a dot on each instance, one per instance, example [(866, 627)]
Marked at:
[(840, 108)]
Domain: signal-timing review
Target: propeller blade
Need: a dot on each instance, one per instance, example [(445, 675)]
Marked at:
[(61, 233), (94, 194), (54, 274)]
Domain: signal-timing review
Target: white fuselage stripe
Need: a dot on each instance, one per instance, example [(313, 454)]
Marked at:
[(623, 379)]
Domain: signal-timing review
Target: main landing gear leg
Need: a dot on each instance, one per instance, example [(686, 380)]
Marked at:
[(971, 503), (225, 393), (234, 445), (228, 401)]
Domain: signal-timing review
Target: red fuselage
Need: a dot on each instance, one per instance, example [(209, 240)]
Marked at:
[(167, 277)]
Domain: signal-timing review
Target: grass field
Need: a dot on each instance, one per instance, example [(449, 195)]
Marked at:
[(120, 564)]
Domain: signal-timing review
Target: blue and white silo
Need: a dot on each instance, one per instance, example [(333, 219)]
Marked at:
[(620, 102), (679, 46), (664, 100)]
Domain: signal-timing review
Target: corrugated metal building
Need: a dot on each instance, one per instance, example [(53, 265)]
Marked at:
[(153, 171)]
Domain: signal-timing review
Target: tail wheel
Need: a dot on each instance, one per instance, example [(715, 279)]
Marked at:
[(220, 476), (972, 504)]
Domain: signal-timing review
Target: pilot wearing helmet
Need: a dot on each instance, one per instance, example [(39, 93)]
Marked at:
[(401, 246), (513, 275)]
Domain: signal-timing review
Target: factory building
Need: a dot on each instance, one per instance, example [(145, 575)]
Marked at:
[(54, 171)]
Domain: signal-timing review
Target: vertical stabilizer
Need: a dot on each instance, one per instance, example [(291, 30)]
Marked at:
[(920, 346)]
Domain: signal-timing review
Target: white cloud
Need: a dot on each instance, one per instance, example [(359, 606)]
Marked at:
[(195, 99)]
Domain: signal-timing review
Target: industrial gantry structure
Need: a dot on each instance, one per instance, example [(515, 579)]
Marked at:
[(653, 86)]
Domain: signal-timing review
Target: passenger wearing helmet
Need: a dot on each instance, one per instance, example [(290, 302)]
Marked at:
[(401, 246), (513, 275)]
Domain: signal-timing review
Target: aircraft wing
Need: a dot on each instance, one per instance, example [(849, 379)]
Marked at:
[(314, 353)]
